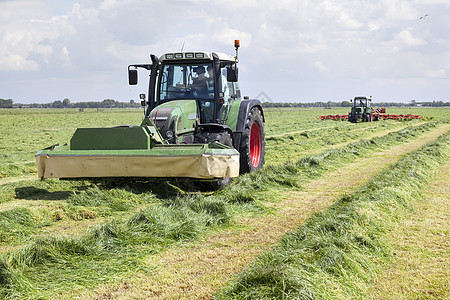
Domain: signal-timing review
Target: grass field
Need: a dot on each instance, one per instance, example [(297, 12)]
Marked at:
[(321, 221)]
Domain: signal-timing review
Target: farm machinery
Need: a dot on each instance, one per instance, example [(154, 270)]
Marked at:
[(362, 111), (195, 125)]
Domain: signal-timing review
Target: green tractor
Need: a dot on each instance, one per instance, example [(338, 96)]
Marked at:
[(361, 110), (195, 125)]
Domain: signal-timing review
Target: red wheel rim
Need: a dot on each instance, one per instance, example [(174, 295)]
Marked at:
[(255, 145)]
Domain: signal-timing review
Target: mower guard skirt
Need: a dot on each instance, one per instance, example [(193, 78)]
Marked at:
[(204, 161)]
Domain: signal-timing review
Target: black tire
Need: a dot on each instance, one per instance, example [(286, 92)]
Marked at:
[(251, 161), (351, 118)]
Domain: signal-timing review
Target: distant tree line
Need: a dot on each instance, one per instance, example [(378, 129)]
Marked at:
[(107, 103), (6, 103), (110, 103), (310, 104)]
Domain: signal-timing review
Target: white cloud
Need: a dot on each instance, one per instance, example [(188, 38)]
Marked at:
[(18, 63), (321, 66), (29, 35), (436, 73), (399, 10), (109, 4), (406, 37), (65, 58)]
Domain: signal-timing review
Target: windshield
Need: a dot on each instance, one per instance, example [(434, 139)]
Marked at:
[(182, 81), (360, 102)]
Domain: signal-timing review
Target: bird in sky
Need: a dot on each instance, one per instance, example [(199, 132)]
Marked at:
[(423, 17)]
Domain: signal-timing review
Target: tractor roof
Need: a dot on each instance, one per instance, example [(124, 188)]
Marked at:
[(195, 55)]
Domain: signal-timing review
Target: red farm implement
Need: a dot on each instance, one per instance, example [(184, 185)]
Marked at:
[(334, 117), (399, 117), (377, 114)]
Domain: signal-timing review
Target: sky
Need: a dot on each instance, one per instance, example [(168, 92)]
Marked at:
[(291, 50)]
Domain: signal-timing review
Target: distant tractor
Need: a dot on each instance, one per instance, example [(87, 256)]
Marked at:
[(361, 110), (364, 112)]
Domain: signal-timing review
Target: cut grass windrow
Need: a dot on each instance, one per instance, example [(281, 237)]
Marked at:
[(336, 253), (48, 266), (420, 265), (295, 145), (295, 173)]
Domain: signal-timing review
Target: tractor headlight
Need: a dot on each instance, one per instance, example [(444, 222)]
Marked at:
[(169, 134)]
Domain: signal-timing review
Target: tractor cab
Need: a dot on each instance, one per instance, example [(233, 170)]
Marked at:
[(190, 92), (202, 77)]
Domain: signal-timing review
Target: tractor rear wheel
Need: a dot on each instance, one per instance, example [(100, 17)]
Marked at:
[(253, 144)]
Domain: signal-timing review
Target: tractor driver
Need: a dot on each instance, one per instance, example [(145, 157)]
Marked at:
[(199, 83)]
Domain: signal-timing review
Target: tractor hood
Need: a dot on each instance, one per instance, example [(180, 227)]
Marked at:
[(175, 118)]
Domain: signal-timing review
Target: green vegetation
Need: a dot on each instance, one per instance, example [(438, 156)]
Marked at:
[(71, 235), (419, 245), (335, 255), (105, 251), (6, 103), (24, 132)]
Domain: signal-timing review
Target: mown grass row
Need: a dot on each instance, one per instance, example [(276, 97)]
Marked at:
[(336, 254), (295, 173), (49, 265), (282, 148), (281, 120)]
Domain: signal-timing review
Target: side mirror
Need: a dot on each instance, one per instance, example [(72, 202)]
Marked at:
[(232, 73), (132, 77)]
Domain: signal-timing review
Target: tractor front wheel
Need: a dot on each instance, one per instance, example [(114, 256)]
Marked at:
[(252, 148)]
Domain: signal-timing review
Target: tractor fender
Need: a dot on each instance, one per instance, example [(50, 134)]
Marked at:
[(244, 109)]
